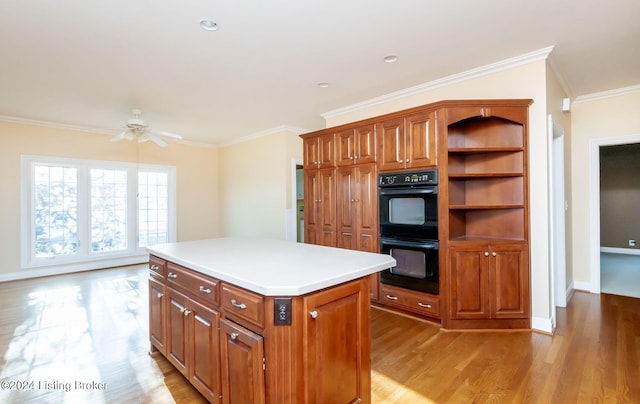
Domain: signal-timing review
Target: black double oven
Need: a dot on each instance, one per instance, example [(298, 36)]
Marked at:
[(409, 229)]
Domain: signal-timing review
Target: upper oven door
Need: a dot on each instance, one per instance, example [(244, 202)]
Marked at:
[(409, 212)]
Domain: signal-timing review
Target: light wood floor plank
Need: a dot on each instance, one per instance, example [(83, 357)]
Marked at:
[(93, 327)]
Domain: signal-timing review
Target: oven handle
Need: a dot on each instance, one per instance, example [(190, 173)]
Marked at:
[(428, 245), (412, 191)]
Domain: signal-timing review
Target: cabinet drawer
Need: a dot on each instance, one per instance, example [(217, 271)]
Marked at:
[(410, 300), (157, 266), (199, 286), (244, 304)]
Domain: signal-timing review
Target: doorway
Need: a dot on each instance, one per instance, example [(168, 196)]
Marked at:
[(595, 253)]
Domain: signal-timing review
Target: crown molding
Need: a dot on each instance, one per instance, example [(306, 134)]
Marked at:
[(607, 94), (56, 125), (563, 83), (481, 71), (266, 132)]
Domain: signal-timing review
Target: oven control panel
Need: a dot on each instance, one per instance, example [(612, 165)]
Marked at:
[(429, 177)]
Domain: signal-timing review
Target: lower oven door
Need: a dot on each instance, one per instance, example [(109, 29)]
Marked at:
[(417, 264)]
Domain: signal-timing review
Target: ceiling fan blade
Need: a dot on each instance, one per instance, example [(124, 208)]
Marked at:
[(119, 137), (167, 134), (156, 140)]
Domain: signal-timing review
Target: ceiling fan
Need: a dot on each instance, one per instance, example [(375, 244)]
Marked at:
[(137, 128)]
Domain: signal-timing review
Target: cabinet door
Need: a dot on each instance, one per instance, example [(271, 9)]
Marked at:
[(311, 198), (327, 207), (509, 278), (336, 332), (345, 148), (310, 152), (242, 353), (326, 149), (421, 140), (365, 143), (346, 203), (469, 281), (157, 327), (204, 371), (178, 347), (366, 207), (391, 146)]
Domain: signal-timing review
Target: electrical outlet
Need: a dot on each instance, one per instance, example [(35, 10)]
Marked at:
[(632, 243)]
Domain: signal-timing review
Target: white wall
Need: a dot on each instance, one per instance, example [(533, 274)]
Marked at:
[(594, 118)]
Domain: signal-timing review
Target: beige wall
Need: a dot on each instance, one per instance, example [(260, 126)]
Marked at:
[(526, 81), (256, 185), (196, 177), (592, 121)]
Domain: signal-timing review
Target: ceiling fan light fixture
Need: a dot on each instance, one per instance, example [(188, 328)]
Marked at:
[(209, 25)]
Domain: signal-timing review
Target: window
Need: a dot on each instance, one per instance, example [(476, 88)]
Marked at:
[(80, 210)]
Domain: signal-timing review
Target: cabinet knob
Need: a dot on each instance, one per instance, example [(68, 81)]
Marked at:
[(486, 253), (391, 297), (241, 306), (186, 312), (203, 290), (493, 253), (154, 267), (400, 161), (160, 295), (172, 275), (426, 306), (313, 314), (234, 336)]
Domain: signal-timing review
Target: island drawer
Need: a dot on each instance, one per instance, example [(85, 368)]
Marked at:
[(410, 300), (199, 286), (157, 266), (244, 304)]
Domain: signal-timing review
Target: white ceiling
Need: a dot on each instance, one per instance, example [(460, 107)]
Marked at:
[(87, 63)]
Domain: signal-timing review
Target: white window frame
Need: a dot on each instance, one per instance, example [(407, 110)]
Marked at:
[(85, 255)]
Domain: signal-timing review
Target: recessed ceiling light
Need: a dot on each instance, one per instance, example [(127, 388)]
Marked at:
[(390, 59), (208, 25), (323, 85)]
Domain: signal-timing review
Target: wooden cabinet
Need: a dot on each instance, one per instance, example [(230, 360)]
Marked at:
[(192, 343), (410, 300), (243, 365), (335, 332), (357, 207), (319, 151), (320, 206), (485, 215), (489, 281), (157, 328), (356, 146), (225, 340), (407, 143)]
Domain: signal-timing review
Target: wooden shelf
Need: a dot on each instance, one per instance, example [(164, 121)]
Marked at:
[(482, 207), (471, 150)]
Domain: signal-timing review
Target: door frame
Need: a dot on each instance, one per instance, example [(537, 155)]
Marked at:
[(292, 221), (594, 201)]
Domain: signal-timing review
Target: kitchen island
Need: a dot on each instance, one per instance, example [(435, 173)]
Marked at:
[(257, 320)]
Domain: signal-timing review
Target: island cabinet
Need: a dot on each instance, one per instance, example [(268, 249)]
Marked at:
[(238, 346), (484, 214)]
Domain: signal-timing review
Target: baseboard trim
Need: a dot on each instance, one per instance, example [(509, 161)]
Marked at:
[(67, 269)]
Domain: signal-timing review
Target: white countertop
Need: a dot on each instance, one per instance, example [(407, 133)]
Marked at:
[(273, 267)]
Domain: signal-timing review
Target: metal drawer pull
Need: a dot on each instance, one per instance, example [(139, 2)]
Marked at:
[(241, 306), (203, 290), (391, 297), (172, 275), (187, 312), (313, 314), (154, 267), (426, 306), (234, 335)]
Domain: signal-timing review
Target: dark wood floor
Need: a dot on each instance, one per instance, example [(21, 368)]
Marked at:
[(83, 338)]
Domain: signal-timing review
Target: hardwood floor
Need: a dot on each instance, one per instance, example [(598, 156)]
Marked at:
[(84, 338)]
